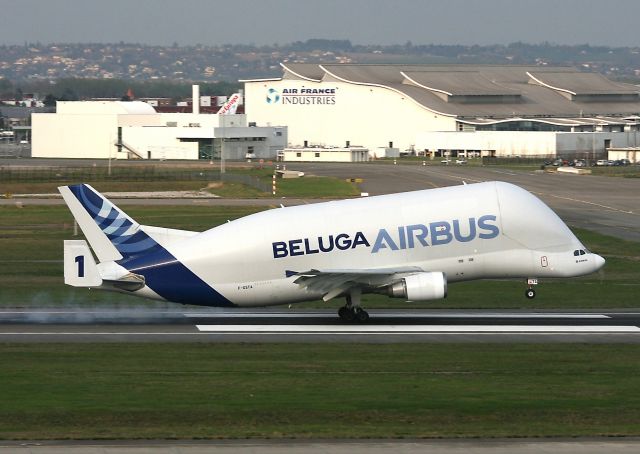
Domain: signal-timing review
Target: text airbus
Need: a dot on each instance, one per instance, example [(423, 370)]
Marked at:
[(403, 237)]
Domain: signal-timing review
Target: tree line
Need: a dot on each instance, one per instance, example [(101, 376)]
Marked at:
[(73, 89)]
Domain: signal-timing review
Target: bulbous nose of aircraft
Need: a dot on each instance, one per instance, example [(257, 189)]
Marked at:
[(598, 262)]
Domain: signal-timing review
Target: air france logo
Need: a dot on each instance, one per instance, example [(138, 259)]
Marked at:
[(303, 96), (403, 237), (273, 96)]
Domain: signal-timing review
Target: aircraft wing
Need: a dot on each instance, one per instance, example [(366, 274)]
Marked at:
[(333, 283)]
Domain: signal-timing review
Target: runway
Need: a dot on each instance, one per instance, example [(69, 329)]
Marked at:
[(289, 326)]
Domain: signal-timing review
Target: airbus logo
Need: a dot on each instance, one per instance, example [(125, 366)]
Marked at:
[(273, 96), (404, 237)]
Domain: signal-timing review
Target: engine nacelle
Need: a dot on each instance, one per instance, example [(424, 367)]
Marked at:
[(420, 287)]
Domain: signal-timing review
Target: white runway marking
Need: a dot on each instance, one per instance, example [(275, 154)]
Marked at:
[(606, 207), (411, 329)]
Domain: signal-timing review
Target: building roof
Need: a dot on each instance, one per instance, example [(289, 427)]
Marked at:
[(105, 107), (22, 112), (486, 92), (577, 83)]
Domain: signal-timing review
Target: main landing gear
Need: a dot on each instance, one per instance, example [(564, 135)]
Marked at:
[(530, 293), (352, 312)]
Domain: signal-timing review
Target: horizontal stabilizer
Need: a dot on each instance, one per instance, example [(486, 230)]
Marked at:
[(80, 268)]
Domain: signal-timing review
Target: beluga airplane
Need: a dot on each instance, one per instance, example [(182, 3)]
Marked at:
[(408, 245)]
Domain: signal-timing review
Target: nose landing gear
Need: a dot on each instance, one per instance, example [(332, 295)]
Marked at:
[(530, 293)]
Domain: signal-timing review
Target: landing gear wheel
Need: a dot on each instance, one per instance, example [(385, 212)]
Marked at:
[(362, 316), (530, 293), (346, 314)]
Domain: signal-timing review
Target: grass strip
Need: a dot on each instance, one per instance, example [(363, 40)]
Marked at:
[(318, 390), (309, 186)]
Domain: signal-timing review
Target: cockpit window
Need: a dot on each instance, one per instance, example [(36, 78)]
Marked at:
[(582, 252), (578, 252)]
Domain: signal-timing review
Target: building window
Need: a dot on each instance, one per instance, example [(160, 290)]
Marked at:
[(317, 155), (298, 155)]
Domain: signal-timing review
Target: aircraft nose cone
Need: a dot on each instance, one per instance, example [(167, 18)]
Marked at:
[(598, 261)]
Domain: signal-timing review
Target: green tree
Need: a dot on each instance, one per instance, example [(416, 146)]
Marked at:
[(50, 100)]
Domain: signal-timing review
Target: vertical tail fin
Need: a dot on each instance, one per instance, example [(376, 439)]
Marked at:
[(113, 235), (231, 106)]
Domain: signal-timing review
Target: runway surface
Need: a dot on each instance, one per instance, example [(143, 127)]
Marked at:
[(386, 326)]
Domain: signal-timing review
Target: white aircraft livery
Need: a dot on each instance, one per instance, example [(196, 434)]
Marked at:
[(408, 245)]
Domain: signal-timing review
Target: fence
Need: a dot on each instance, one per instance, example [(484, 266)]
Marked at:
[(249, 180), (10, 150), (17, 174), (529, 160)]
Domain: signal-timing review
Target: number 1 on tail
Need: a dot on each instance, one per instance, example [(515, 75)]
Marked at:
[(80, 261)]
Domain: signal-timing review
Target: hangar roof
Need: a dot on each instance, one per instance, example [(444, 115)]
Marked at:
[(577, 83), (486, 92)]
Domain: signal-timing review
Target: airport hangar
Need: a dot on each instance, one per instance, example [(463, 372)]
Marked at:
[(439, 110)]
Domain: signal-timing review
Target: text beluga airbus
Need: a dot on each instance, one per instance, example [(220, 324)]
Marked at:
[(409, 245), (406, 237)]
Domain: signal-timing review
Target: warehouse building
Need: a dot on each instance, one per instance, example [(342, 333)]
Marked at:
[(135, 130), (409, 107)]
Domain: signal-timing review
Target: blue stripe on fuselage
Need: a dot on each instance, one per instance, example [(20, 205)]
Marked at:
[(169, 278)]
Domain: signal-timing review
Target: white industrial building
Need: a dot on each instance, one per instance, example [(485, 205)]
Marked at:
[(324, 154), (632, 154), (583, 145), (134, 130), (449, 109)]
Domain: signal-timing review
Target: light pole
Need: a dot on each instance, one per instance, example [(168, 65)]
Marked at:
[(593, 143)]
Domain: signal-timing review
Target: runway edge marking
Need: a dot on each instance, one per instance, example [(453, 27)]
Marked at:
[(372, 329)]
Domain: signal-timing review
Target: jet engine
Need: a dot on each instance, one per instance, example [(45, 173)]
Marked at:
[(420, 287)]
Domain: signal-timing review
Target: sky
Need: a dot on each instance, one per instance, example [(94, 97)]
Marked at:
[(266, 22)]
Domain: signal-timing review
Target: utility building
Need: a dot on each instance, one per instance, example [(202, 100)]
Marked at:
[(402, 106), (324, 154)]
